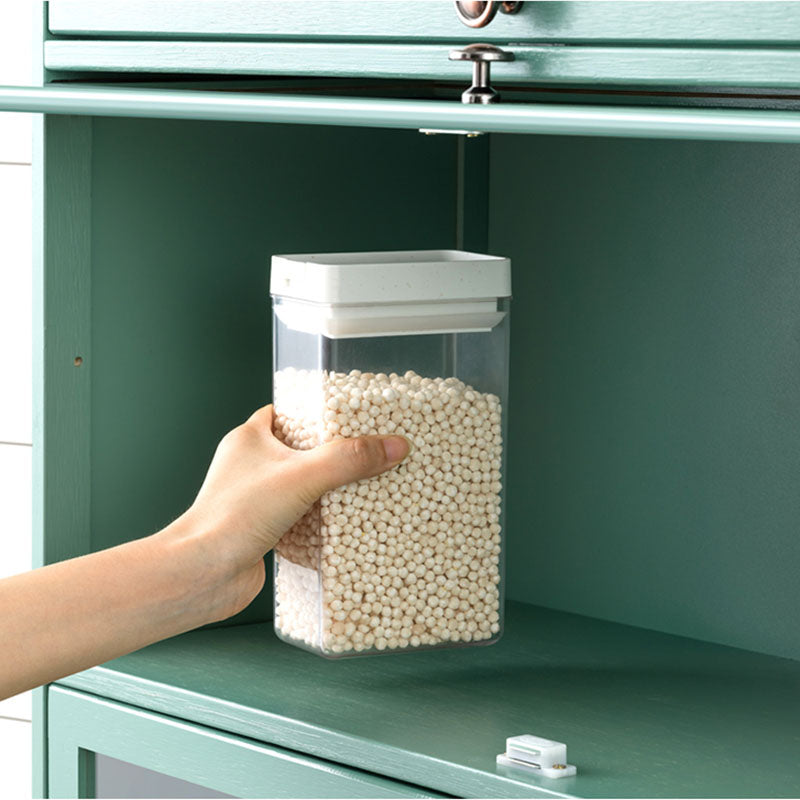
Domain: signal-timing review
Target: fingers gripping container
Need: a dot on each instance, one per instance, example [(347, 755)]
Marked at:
[(412, 343)]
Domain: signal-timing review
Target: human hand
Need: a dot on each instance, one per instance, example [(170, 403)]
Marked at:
[(256, 488)]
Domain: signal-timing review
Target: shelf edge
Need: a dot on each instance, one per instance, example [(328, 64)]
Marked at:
[(528, 118)]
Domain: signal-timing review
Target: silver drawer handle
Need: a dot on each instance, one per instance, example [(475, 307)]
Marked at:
[(481, 56)]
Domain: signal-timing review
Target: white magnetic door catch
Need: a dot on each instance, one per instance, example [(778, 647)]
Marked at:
[(542, 756)]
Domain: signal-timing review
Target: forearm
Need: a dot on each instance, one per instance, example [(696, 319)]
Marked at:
[(204, 567), (72, 615)]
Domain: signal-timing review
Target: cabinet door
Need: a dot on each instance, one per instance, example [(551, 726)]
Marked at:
[(360, 20), (691, 46), (82, 726)]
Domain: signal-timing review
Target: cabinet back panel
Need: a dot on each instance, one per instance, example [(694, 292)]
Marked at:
[(185, 217), (654, 466)]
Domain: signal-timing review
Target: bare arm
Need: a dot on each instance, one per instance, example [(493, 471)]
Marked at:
[(204, 567)]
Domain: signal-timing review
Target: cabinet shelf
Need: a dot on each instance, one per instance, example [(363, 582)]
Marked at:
[(531, 118), (644, 714)]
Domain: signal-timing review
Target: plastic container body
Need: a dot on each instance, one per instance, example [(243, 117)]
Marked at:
[(413, 558)]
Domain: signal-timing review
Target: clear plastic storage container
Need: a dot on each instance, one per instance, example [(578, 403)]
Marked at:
[(412, 343)]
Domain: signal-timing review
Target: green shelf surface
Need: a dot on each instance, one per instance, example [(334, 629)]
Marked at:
[(644, 714)]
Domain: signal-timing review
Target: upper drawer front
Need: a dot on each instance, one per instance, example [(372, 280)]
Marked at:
[(395, 20)]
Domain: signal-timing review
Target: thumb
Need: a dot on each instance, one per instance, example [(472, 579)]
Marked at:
[(349, 460)]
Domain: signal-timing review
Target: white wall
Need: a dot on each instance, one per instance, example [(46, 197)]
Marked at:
[(16, 20)]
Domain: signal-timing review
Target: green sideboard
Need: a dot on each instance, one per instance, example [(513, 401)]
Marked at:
[(653, 500)]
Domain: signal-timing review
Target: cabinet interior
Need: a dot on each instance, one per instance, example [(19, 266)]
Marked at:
[(654, 410)]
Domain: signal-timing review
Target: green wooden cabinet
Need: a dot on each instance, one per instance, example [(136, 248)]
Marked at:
[(654, 388)]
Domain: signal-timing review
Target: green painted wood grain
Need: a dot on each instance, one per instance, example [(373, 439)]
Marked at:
[(643, 22), (82, 725), (655, 394), (531, 118), (61, 332), (185, 219), (472, 190), (634, 706), (543, 65)]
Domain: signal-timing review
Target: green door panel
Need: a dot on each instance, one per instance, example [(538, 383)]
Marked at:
[(81, 725), (358, 20)]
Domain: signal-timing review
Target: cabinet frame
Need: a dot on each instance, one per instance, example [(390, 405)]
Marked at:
[(444, 116), (82, 725), (61, 387)]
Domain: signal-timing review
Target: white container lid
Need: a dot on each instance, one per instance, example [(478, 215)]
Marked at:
[(405, 276), (342, 295)]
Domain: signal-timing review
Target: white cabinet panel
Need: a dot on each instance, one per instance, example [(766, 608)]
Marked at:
[(18, 708), (16, 68), (15, 138), (15, 758), (16, 43), (15, 304), (16, 37), (15, 509)]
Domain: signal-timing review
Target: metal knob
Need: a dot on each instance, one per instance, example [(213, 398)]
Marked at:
[(476, 14), (481, 56)]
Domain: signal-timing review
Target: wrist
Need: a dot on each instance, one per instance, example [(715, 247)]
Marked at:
[(209, 582)]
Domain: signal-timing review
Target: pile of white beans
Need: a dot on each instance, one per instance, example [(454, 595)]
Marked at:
[(410, 558)]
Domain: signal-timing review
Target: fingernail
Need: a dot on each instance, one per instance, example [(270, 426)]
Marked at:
[(396, 448)]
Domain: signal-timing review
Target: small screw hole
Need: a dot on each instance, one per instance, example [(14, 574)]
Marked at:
[(77, 361)]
